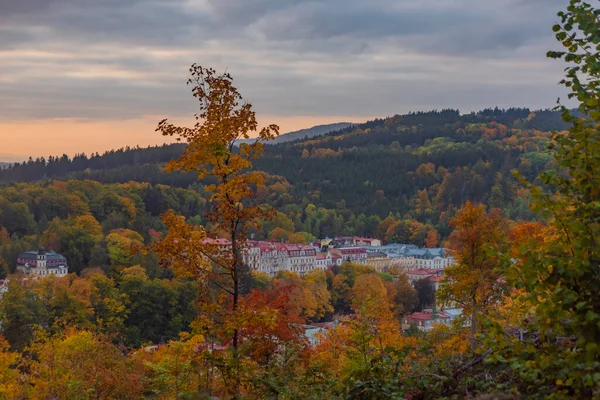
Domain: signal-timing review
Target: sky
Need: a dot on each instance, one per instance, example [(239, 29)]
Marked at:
[(92, 75)]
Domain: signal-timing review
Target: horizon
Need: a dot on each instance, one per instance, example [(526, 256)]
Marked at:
[(14, 159), (97, 76)]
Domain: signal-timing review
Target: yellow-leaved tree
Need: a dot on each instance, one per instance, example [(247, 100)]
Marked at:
[(475, 282), (214, 153)]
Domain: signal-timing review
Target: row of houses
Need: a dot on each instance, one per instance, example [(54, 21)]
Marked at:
[(270, 257), (410, 256)]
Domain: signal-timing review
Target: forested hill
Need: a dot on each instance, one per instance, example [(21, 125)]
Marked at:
[(424, 164)]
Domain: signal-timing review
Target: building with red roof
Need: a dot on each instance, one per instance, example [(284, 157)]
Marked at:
[(271, 257), (326, 260), (424, 321), (424, 273), (356, 255)]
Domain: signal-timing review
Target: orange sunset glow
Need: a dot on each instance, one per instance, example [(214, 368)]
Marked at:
[(21, 140)]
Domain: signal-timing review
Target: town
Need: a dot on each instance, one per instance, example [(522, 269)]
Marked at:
[(270, 258)]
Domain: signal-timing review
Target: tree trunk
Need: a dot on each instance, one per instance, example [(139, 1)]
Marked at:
[(473, 327), (236, 295)]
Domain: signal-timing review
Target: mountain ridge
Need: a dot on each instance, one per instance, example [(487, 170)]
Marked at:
[(421, 166), (309, 133)]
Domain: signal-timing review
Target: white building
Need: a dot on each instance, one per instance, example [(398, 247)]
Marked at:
[(271, 257), (42, 263), (325, 260), (302, 258), (412, 257)]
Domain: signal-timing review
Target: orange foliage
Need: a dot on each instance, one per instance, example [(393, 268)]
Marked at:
[(431, 240)]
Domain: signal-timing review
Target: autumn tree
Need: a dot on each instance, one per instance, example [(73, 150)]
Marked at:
[(369, 292), (121, 245), (560, 274), (222, 120), (343, 282), (156, 309), (406, 296), (475, 280), (12, 385), (367, 347), (20, 312), (80, 364), (66, 302), (309, 295), (431, 240), (172, 370)]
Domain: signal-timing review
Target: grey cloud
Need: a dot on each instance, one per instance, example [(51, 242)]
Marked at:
[(469, 27), (10, 7), (293, 57), (318, 21)]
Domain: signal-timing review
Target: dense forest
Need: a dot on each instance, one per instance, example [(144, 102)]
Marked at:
[(418, 167), (395, 179), (157, 308)]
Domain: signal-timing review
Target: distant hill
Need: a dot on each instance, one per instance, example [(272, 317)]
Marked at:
[(306, 133), (423, 165)]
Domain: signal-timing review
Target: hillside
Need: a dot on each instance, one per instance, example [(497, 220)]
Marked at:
[(419, 166), (305, 133)]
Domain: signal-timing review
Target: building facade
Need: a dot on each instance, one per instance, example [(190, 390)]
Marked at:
[(357, 255), (302, 259), (271, 257), (42, 263), (411, 257), (424, 321), (326, 260), (382, 262)]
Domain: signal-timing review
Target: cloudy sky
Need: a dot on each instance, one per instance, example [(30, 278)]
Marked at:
[(90, 75)]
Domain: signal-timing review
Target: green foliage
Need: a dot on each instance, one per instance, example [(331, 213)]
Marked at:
[(133, 310), (75, 218), (561, 277), (20, 311), (379, 167), (534, 305)]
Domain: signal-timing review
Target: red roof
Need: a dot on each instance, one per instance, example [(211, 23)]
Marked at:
[(425, 271), (367, 240), (422, 316), (353, 250)]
